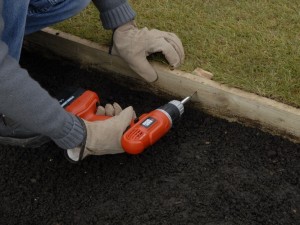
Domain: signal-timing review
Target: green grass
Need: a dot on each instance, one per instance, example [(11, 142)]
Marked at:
[(253, 45)]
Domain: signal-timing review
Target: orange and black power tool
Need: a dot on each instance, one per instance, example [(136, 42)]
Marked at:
[(141, 133)]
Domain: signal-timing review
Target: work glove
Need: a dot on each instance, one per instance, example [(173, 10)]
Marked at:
[(109, 110), (133, 45), (103, 137)]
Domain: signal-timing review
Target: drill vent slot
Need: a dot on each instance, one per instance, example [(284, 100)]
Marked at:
[(135, 134)]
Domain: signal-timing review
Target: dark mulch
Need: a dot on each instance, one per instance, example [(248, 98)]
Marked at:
[(204, 171)]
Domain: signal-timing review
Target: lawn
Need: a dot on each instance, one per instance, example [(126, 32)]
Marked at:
[(252, 45)]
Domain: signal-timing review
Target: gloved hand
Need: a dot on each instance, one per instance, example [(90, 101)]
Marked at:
[(134, 45), (103, 137), (109, 110)]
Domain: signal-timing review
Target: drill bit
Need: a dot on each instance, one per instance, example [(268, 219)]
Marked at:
[(188, 98)]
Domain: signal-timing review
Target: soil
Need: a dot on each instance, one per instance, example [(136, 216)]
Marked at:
[(204, 171)]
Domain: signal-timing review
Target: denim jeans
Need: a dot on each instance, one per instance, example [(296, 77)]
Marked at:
[(23, 17)]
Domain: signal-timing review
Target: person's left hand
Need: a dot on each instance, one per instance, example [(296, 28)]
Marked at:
[(133, 45)]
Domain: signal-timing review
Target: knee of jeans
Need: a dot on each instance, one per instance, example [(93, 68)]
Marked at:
[(79, 5), (76, 6), (43, 6)]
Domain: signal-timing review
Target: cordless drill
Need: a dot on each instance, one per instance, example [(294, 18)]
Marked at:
[(141, 133)]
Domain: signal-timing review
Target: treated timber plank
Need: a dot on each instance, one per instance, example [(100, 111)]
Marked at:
[(214, 98)]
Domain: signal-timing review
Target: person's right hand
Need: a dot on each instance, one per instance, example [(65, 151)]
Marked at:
[(104, 137)]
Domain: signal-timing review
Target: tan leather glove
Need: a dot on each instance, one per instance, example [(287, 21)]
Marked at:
[(104, 137), (134, 45), (109, 110)]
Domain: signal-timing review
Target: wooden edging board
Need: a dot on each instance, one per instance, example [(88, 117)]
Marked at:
[(214, 98)]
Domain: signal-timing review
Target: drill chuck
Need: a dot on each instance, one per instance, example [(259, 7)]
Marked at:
[(173, 110)]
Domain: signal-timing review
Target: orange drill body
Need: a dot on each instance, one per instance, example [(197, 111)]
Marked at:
[(84, 103), (148, 130)]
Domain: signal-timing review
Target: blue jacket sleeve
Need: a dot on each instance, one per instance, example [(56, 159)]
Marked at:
[(114, 13), (26, 102)]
